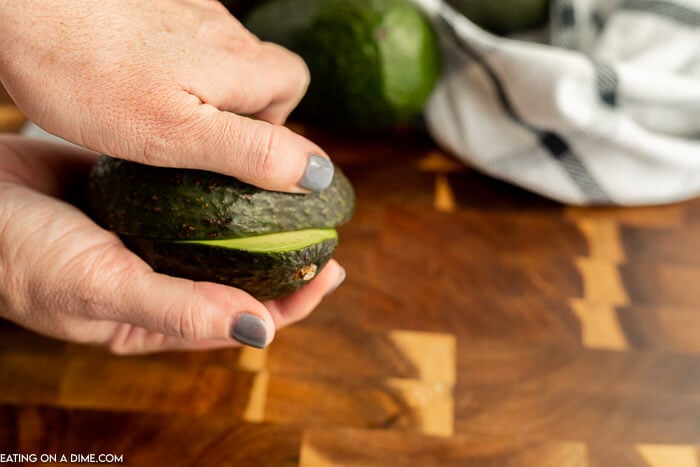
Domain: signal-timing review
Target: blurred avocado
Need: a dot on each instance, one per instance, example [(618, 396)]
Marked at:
[(240, 8), (504, 16), (373, 63)]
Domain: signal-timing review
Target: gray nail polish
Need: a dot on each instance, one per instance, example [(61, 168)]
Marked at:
[(250, 330), (318, 175)]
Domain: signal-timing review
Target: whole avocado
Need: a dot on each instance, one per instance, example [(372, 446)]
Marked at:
[(373, 63), (504, 16), (210, 227), (239, 8)]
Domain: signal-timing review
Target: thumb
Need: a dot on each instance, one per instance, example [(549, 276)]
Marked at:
[(257, 152), (194, 311)]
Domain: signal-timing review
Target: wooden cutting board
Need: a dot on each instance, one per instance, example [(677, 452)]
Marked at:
[(11, 119), (479, 325)]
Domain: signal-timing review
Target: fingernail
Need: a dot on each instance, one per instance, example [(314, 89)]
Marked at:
[(340, 280), (250, 330), (318, 175)]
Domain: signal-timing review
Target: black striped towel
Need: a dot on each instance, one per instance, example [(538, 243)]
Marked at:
[(606, 110)]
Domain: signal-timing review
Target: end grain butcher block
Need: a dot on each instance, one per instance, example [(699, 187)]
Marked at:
[(479, 325)]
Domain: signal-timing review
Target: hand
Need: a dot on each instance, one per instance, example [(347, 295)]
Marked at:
[(176, 83), (64, 276)]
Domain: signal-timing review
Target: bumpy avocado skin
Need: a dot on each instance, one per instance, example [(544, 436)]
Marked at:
[(182, 204), (265, 276)]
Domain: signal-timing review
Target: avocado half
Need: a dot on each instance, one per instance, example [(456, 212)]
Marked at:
[(206, 226)]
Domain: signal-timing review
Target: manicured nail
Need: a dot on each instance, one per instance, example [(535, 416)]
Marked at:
[(318, 175), (250, 330), (338, 281)]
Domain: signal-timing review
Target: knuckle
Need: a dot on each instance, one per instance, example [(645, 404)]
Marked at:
[(188, 322), (106, 270), (302, 75), (166, 131), (295, 68), (266, 149), (218, 7), (119, 346), (91, 304), (156, 127)]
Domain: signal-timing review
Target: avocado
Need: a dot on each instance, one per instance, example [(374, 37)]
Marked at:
[(373, 63), (267, 266), (239, 8), (183, 204), (206, 226), (505, 16)]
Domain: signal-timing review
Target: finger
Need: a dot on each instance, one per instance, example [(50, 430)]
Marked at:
[(297, 306), (165, 313), (252, 78), (275, 113), (182, 331), (131, 340), (46, 166), (257, 152), (213, 5), (289, 75), (297, 80), (187, 310), (125, 338)]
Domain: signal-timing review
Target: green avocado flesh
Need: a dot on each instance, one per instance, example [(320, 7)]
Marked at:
[(270, 243), (210, 227), (267, 267)]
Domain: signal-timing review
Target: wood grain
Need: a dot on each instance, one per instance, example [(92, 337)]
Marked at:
[(11, 120), (480, 325)]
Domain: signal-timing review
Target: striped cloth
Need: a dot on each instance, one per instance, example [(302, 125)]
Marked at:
[(602, 110)]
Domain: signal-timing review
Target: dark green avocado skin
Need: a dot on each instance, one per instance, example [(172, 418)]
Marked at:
[(183, 204), (265, 276)]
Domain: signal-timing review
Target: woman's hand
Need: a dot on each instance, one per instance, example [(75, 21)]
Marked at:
[(64, 276), (176, 83)]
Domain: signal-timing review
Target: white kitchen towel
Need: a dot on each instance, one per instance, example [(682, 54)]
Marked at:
[(606, 111)]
